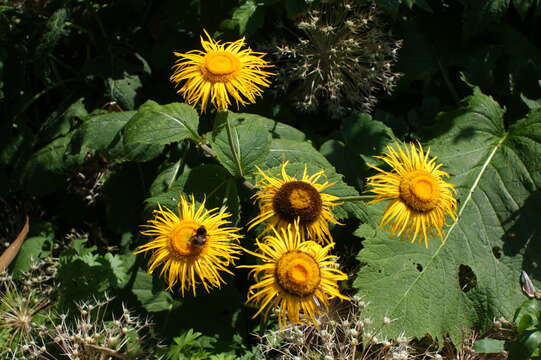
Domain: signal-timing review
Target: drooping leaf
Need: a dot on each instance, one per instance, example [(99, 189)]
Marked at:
[(472, 276), (250, 146), (161, 124)]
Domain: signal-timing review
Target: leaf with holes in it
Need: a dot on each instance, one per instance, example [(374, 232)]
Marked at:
[(473, 276)]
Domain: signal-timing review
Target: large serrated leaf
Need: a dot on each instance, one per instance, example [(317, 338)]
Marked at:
[(250, 145), (161, 124), (472, 276)]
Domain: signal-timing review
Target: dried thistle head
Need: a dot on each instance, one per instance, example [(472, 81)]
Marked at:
[(343, 57), (341, 333), (26, 309), (91, 335)]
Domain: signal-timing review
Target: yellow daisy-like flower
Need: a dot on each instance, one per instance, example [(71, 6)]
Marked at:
[(297, 276), (220, 71), (420, 197), (193, 245), (282, 201)]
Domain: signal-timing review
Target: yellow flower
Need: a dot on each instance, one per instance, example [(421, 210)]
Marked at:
[(283, 201), (297, 276), (193, 245), (220, 71), (420, 197)]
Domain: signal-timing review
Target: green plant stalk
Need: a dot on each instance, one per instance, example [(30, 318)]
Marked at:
[(234, 149)]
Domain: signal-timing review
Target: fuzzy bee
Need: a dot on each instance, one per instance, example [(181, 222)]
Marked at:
[(200, 237)]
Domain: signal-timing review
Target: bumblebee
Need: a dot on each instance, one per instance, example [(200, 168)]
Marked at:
[(200, 237)]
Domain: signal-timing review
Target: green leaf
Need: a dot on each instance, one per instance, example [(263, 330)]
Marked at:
[(208, 182), (56, 28), (345, 162), (161, 124), (124, 91), (31, 251), (392, 6), (275, 128), (282, 150), (375, 135), (84, 274), (151, 299), (165, 180), (98, 132), (523, 6), (251, 143), (43, 173), (497, 174), (528, 315), (488, 346), (248, 17)]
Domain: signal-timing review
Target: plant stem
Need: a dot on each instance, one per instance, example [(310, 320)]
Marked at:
[(207, 149), (234, 148)]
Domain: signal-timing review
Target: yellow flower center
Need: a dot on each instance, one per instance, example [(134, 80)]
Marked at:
[(182, 239), (420, 190), (297, 199), (297, 273), (220, 66)]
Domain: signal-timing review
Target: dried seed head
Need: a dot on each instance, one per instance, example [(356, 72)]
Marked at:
[(345, 75)]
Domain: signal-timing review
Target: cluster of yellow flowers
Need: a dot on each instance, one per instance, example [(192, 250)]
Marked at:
[(297, 274)]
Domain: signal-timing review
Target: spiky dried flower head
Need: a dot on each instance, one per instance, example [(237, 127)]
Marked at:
[(25, 308), (194, 245), (285, 199), (220, 72), (296, 276), (94, 332), (420, 198), (343, 56)]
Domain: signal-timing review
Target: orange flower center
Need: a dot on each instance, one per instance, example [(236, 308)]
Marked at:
[(182, 239), (297, 273), (220, 66), (420, 190), (297, 199)]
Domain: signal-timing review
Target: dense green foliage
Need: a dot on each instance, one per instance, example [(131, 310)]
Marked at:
[(94, 135)]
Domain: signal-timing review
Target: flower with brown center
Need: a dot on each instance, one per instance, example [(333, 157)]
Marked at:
[(297, 276), (286, 200), (193, 245), (420, 197), (220, 71)]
